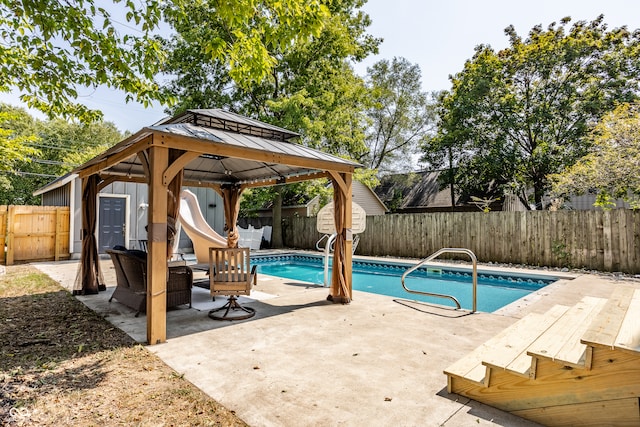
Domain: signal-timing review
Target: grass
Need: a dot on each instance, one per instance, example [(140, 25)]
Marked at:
[(61, 364)]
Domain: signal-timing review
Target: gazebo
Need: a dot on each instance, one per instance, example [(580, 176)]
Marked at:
[(220, 150)]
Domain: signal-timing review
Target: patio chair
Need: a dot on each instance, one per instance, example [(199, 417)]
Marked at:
[(131, 281), (230, 274)]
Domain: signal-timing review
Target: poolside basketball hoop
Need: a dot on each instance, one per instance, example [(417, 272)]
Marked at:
[(325, 221)]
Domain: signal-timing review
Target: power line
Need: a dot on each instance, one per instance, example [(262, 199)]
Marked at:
[(51, 162), (54, 147), (21, 173), (50, 147)]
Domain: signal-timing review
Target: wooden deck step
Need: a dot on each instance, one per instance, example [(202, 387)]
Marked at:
[(629, 335), (509, 352), (605, 327), (471, 368), (561, 342)]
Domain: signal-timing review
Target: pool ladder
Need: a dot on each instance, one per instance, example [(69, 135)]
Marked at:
[(328, 248), (435, 255)]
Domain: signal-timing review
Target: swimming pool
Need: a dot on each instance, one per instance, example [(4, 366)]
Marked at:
[(495, 289)]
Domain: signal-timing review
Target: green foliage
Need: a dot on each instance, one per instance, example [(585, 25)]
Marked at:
[(516, 116), (15, 136), (400, 114), (51, 49), (612, 168), (311, 87), (54, 148), (368, 177), (254, 199), (247, 35), (396, 200), (559, 250)]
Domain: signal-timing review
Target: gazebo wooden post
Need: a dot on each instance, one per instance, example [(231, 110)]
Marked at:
[(348, 241), (342, 279), (157, 247)]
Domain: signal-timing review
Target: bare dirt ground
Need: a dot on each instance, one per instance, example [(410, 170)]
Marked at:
[(61, 364)]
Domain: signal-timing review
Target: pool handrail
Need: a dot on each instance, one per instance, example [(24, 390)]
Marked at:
[(436, 254), (327, 251), (328, 248)]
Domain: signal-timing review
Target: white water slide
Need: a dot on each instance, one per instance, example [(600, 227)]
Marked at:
[(197, 228)]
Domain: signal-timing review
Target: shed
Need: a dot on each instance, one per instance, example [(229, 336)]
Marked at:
[(365, 197), (121, 210)]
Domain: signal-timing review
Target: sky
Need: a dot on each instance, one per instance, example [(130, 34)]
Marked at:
[(439, 36)]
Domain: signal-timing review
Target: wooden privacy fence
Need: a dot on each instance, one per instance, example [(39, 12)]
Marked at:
[(595, 240), (34, 233)]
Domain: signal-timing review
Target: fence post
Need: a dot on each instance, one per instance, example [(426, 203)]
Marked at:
[(3, 233), (10, 232), (56, 239), (606, 234)]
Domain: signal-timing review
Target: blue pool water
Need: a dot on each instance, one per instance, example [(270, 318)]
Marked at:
[(495, 290)]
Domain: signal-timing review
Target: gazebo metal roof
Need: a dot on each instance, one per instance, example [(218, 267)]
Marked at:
[(264, 161)]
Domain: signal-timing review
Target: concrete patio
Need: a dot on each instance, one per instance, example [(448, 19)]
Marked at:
[(304, 361)]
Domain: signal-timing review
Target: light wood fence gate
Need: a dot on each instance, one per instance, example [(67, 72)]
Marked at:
[(595, 240), (34, 233)]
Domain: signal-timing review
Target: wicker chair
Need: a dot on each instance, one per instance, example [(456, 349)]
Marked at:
[(229, 274), (131, 278)]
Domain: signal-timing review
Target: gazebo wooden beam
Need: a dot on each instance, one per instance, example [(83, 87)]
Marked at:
[(177, 166), (111, 159), (109, 178), (106, 181), (342, 186), (261, 183), (144, 161), (287, 180)]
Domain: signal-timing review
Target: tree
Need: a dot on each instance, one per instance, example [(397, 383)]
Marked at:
[(401, 115), (612, 168), (516, 116), (311, 89), (53, 148), (15, 133), (52, 48)]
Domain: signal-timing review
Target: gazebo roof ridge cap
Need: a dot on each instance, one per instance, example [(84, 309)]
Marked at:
[(225, 117)]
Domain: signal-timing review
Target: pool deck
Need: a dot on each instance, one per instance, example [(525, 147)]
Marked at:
[(305, 361)]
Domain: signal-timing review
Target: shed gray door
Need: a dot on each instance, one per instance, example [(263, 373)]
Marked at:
[(111, 222)]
